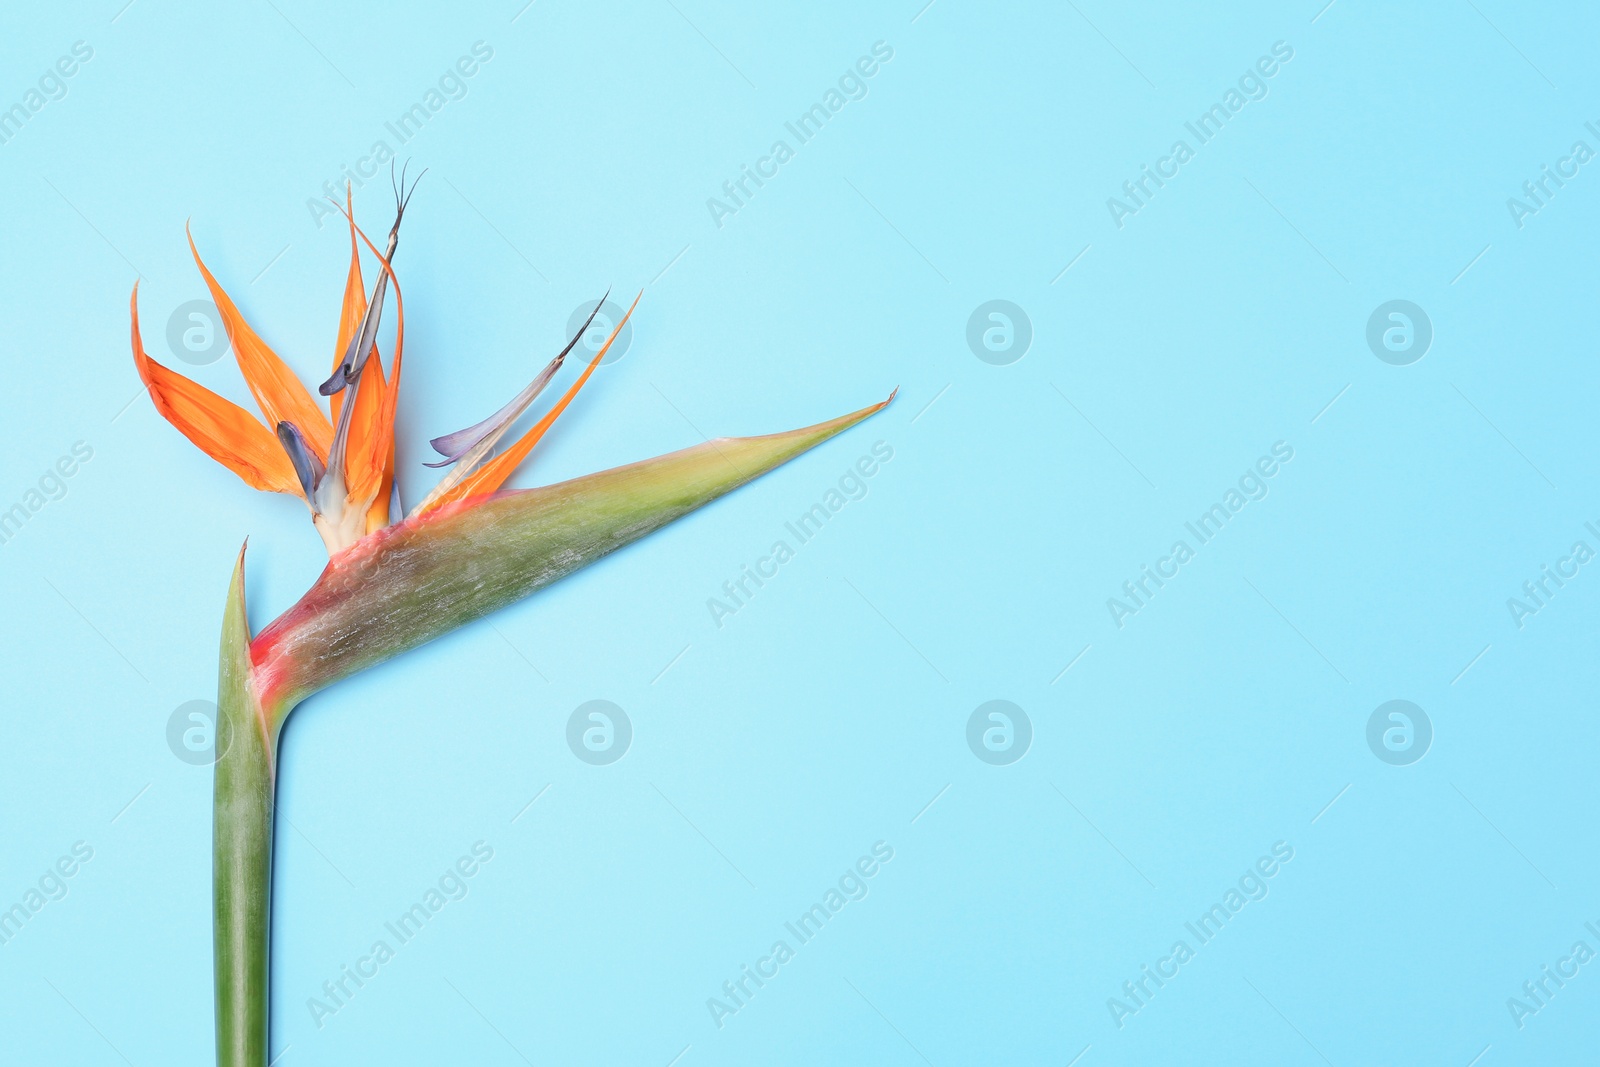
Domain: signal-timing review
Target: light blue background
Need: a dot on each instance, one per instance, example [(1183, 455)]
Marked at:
[(771, 752)]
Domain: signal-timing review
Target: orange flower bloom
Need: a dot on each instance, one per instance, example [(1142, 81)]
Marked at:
[(340, 463)]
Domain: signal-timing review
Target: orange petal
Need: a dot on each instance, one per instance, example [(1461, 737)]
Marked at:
[(371, 391), (370, 449), (494, 473), (279, 394), (378, 514), (220, 428), (355, 303)]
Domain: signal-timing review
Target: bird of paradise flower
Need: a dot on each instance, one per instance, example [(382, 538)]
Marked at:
[(394, 580)]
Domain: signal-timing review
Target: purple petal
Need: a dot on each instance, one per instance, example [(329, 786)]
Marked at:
[(307, 467), (452, 446)]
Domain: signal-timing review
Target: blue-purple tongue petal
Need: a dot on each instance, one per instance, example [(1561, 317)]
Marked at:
[(452, 446), (335, 383), (307, 467)]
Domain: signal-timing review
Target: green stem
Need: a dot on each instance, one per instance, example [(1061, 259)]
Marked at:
[(241, 848)]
